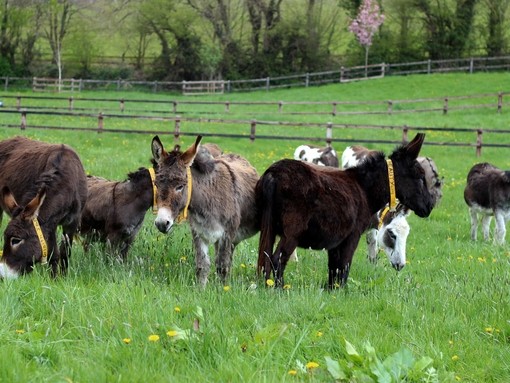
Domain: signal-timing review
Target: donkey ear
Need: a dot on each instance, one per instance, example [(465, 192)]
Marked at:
[(158, 152), (189, 155), (32, 209), (8, 199), (413, 148)]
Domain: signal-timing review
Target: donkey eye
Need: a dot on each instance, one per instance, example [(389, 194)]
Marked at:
[(392, 235), (179, 188), (15, 241)]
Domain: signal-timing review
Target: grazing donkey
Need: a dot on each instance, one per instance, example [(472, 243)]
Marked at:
[(42, 186), (389, 229), (487, 194), (219, 194), (114, 211), (317, 155), (317, 207)]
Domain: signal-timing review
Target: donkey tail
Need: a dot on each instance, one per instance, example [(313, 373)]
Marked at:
[(265, 197)]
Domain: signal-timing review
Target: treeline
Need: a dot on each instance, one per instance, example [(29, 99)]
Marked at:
[(176, 40)]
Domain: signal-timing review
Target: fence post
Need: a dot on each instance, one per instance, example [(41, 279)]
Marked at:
[(383, 69), (122, 106), (177, 129), (81, 85), (405, 131), (479, 133), (71, 103), (307, 80), (428, 66), (500, 101), (471, 65), (329, 134), (155, 90), (228, 86), (227, 106), (253, 128), (280, 106), (390, 107), (100, 122), (341, 74), (18, 102), (334, 108), (118, 84), (268, 84), (445, 106), (175, 106), (23, 120), (6, 83)]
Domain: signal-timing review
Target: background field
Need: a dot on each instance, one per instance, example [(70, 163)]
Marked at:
[(450, 303)]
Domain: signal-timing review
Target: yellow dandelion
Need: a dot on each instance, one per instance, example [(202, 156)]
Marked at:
[(455, 358), (319, 334), (171, 333), (243, 266), (126, 340), (286, 287), (153, 338), (481, 259), (292, 372), (226, 288), (450, 342), (183, 259), (312, 365), (177, 309), (270, 282), (489, 330), (20, 331), (457, 378)]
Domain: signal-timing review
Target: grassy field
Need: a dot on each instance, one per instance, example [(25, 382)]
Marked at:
[(445, 317)]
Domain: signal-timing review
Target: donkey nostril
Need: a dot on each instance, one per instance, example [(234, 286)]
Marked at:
[(398, 266), (163, 225)]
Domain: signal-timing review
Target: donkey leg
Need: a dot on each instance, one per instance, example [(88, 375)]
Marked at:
[(224, 250), (474, 223), (280, 259), (486, 224), (202, 261), (500, 227), (339, 261), (371, 237)]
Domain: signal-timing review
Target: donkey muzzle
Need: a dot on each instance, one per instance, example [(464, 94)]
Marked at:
[(164, 221)]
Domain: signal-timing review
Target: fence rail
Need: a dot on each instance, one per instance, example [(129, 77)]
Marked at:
[(343, 74), (251, 127)]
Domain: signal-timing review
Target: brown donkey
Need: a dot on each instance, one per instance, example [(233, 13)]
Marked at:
[(218, 193), (115, 210), (43, 186), (320, 207)]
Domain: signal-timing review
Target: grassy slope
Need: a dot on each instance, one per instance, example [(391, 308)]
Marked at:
[(449, 303)]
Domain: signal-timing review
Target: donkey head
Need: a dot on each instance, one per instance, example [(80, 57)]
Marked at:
[(410, 184), (392, 236), (22, 246), (172, 178)]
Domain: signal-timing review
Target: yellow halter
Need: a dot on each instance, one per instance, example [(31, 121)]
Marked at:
[(42, 241), (154, 191), (183, 215), (393, 198)]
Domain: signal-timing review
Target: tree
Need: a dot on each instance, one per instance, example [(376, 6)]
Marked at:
[(366, 24)]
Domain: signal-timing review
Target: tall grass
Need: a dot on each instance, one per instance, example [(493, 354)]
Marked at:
[(450, 303)]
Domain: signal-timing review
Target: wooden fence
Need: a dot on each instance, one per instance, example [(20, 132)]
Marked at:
[(175, 129), (343, 74), (495, 101)]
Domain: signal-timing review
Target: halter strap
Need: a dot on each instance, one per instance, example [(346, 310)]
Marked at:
[(391, 181), (183, 215), (42, 241), (154, 191), (381, 217)]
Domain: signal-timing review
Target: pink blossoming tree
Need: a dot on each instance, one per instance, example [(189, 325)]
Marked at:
[(366, 24)]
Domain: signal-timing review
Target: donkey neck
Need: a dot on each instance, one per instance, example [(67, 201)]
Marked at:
[(373, 178)]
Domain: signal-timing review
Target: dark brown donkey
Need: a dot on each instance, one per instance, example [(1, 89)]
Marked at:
[(115, 210), (317, 207), (218, 193), (43, 186)]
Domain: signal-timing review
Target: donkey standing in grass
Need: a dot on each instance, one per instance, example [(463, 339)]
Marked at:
[(317, 155), (321, 207), (216, 194), (487, 194), (42, 186), (115, 211)]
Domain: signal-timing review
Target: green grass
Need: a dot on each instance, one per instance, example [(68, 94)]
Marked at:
[(450, 303)]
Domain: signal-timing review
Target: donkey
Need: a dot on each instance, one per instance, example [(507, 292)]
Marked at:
[(49, 183), (317, 207), (487, 194), (115, 211), (219, 194), (317, 155)]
